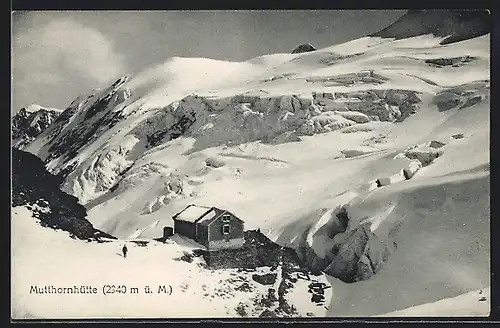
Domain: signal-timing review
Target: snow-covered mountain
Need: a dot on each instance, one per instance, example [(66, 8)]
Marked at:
[(167, 124), (370, 158), (29, 122), (454, 25)]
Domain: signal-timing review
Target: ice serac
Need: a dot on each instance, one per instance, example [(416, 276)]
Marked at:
[(240, 119), (341, 249)]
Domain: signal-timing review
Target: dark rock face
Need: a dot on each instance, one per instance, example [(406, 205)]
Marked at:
[(174, 131), (26, 126), (472, 101), (214, 162), (268, 314), (97, 120), (265, 279), (91, 116), (35, 188), (436, 144), (306, 47), (383, 182), (408, 174), (455, 61), (446, 101), (317, 290), (458, 25), (461, 97)]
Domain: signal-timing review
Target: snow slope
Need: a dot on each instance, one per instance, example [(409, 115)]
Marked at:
[(268, 140), (474, 303), (191, 290)]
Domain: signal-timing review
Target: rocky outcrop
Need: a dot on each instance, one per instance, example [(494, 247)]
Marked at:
[(454, 61), (473, 101), (265, 279), (461, 97), (35, 188), (90, 118), (436, 144), (177, 129), (447, 100), (383, 182), (214, 162), (306, 47)]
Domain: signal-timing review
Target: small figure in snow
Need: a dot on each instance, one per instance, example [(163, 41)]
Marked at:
[(124, 250)]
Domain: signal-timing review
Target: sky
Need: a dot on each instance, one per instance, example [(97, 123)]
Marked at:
[(58, 55)]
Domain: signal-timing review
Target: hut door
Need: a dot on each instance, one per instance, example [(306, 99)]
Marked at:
[(226, 232)]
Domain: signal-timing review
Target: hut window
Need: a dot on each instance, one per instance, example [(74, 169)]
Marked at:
[(225, 229), (226, 218)]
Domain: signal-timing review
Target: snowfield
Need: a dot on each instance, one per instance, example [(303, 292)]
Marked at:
[(289, 143)]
